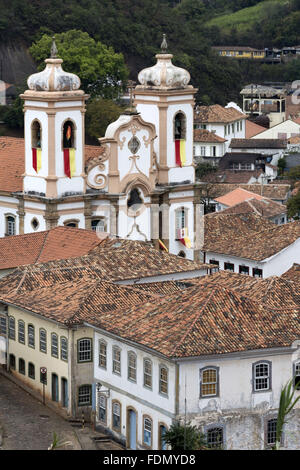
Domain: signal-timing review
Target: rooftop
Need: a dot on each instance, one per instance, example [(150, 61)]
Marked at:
[(263, 207), (40, 247), (275, 191), (293, 274), (203, 135), (258, 143), (252, 129), (237, 196), (217, 114)]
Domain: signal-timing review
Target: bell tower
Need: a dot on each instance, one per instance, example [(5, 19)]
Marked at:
[(54, 109), (165, 98)]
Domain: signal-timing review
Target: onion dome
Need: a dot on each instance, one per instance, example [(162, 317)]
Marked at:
[(164, 74), (53, 77)]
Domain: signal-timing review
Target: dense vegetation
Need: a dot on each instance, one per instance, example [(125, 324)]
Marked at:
[(135, 29)]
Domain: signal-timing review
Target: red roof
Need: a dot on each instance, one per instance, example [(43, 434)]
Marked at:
[(41, 247), (237, 196)]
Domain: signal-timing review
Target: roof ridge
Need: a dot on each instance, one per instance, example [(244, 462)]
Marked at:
[(43, 246)]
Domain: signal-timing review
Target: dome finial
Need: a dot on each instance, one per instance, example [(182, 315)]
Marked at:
[(54, 51), (164, 45)]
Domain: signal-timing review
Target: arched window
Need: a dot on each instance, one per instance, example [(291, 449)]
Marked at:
[(209, 382), (132, 366), (182, 254), (36, 135), (31, 370), (180, 126), (147, 431), (102, 408), (10, 225), (63, 348), (71, 223), (135, 201), (21, 366), (116, 416), (31, 340), (102, 354), (99, 225), (11, 328), (69, 135), (147, 373), (163, 380), (54, 345), (116, 360), (43, 340), (21, 331)]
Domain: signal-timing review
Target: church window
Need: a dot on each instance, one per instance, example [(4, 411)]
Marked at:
[(98, 225), (36, 135), (68, 135), (10, 223), (71, 223), (180, 223), (182, 254), (134, 202), (35, 223), (134, 145), (179, 126)]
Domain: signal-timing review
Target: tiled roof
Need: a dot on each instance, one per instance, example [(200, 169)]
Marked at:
[(12, 162), (222, 230), (263, 207), (293, 274), (231, 176), (203, 135), (198, 322), (217, 113), (39, 247), (273, 292), (73, 301), (272, 191), (258, 143), (294, 140), (236, 196), (256, 246), (252, 129)]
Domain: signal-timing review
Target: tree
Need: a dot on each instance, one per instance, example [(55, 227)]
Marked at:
[(293, 206), (287, 402), (100, 113), (101, 70), (294, 174), (181, 437), (281, 165)]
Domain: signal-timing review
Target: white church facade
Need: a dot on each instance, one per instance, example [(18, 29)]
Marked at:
[(141, 184)]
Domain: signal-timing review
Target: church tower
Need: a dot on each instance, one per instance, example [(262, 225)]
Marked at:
[(54, 109), (165, 98)]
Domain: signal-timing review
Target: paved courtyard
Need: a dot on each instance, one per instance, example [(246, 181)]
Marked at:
[(27, 424)]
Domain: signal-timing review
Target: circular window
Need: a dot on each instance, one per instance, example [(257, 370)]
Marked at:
[(134, 144), (35, 223)]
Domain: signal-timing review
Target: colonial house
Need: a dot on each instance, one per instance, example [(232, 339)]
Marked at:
[(139, 183), (268, 252), (250, 162), (284, 130), (272, 149), (208, 147), (43, 306), (227, 123), (273, 211), (188, 358)]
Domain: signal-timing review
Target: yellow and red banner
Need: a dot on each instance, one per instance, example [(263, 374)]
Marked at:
[(180, 152), (69, 162), (183, 237), (163, 246), (37, 159)]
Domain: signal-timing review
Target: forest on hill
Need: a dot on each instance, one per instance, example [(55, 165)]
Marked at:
[(135, 28)]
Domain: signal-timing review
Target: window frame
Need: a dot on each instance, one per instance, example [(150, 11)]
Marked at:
[(31, 368), (216, 382), (101, 355), (160, 380), (64, 350), (23, 371), (147, 360), (147, 417), (3, 325), (255, 377), (296, 373), (103, 397), (89, 394), (115, 361), (53, 347), (132, 354), (7, 225), (31, 336), (215, 427), (21, 333), (89, 351), (113, 403), (10, 336), (42, 330)]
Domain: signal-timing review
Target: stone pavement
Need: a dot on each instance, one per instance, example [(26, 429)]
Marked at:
[(27, 424)]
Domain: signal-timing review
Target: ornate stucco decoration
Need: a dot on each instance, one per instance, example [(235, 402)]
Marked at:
[(136, 227), (96, 179)]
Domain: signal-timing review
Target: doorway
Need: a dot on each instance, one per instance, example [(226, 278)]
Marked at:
[(64, 392), (132, 429)]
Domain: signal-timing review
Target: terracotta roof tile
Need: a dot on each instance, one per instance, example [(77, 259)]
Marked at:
[(236, 196), (263, 207), (252, 129), (258, 143), (55, 244), (217, 113), (203, 135), (293, 274), (272, 191)]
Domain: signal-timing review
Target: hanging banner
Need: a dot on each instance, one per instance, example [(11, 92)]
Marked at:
[(37, 159), (69, 162), (180, 152)]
